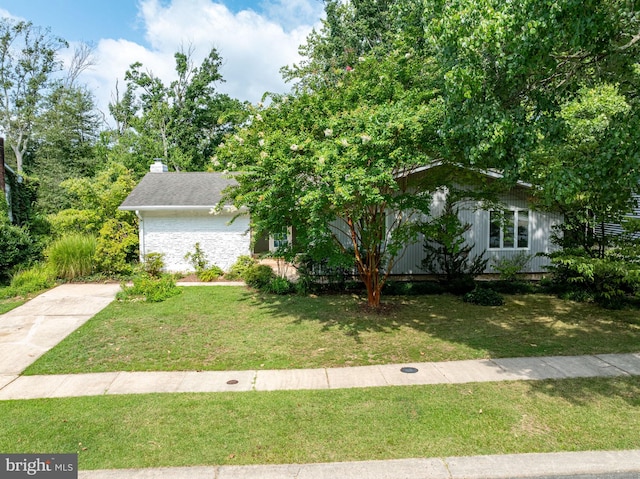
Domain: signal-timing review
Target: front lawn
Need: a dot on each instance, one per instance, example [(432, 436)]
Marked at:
[(326, 426), (233, 328)]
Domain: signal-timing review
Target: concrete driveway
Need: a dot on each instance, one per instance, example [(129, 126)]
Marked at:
[(30, 330)]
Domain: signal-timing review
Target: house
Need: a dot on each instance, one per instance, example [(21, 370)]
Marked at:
[(178, 210)]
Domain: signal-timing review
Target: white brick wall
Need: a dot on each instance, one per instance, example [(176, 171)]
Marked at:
[(175, 233)]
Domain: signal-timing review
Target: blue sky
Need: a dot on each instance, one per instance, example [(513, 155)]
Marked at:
[(255, 38)]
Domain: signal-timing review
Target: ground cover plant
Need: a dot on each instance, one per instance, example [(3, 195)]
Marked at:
[(326, 426), (235, 328)]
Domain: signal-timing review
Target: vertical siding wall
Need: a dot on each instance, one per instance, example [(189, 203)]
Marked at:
[(540, 229), (175, 233)]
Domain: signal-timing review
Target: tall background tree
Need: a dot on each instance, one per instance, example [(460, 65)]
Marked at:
[(181, 122), (28, 60)]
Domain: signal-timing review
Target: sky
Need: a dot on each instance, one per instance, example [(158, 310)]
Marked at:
[(255, 38)]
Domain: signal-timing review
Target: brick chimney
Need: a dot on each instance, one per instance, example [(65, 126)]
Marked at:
[(158, 166)]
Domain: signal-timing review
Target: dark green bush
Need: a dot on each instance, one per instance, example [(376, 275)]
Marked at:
[(412, 288), (16, 248), (608, 280), (511, 287), (484, 297), (259, 276), (460, 285), (279, 285)]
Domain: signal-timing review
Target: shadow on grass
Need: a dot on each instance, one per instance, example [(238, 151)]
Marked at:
[(590, 391), (527, 325)]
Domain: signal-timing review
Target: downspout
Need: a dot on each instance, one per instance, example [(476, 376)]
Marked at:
[(141, 236)]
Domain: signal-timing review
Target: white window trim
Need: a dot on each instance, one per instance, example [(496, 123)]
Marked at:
[(272, 246), (516, 212)]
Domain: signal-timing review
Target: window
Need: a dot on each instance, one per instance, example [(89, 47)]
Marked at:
[(279, 239), (509, 229)]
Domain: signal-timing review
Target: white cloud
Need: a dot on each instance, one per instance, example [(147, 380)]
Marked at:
[(253, 46)]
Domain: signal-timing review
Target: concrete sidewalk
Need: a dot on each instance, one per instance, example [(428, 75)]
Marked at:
[(485, 370)]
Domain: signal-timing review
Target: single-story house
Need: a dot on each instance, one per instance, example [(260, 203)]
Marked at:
[(178, 210)]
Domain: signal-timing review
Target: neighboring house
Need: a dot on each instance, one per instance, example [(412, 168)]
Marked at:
[(175, 212), (616, 229), (178, 210)]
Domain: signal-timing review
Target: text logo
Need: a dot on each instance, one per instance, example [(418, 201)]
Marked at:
[(44, 466)]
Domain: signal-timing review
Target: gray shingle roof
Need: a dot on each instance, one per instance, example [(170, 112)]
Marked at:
[(177, 191)]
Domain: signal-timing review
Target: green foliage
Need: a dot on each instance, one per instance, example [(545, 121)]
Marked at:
[(259, 276), (28, 62), (16, 249), (72, 256), (607, 280), (117, 247), (32, 280), (279, 285), (95, 201), (327, 164), (510, 267), (484, 297), (197, 258), (446, 249), (210, 274), (153, 264), (238, 269), (150, 289), (417, 288), (181, 122), (65, 134)]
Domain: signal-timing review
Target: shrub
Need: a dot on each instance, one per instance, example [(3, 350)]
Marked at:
[(409, 288), (460, 286), (279, 285), (16, 248), (72, 256), (511, 287), (32, 280), (510, 267), (609, 281), (237, 270), (259, 276), (484, 297), (210, 274), (197, 259), (153, 264), (147, 288), (117, 247)]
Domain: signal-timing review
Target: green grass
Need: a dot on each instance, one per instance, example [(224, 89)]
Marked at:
[(7, 305), (317, 426), (232, 328)]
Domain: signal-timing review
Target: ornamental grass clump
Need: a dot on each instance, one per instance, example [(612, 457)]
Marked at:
[(72, 256)]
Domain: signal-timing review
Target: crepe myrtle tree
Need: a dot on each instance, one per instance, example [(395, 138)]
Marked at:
[(335, 164)]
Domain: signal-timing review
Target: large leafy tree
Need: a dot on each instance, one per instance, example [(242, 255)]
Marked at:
[(64, 143), (334, 164), (28, 60), (182, 121)]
